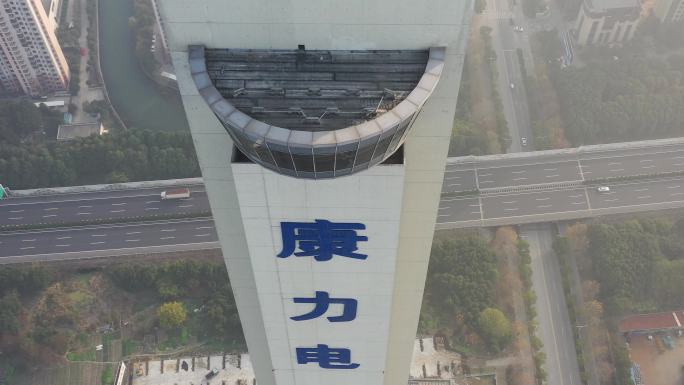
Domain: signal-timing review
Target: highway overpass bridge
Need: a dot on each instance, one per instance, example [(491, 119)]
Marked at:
[(482, 191)]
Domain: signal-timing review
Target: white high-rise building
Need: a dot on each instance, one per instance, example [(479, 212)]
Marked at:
[(322, 129), (31, 60)]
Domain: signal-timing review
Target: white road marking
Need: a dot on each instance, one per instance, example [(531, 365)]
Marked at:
[(15, 218), (481, 175), (49, 215), (575, 196), (475, 212), (617, 170), (441, 215), (28, 247), (648, 166), (678, 164), (519, 178), (151, 208), (16, 211), (611, 200), (84, 214), (508, 203), (452, 177), (671, 187), (204, 227), (168, 230), (133, 232), (645, 160), (550, 169), (28, 240), (98, 235), (62, 245), (167, 238), (474, 205), (614, 163), (85, 207), (543, 206), (51, 208), (63, 237), (132, 240), (578, 203), (96, 243), (677, 193), (118, 204), (644, 197), (485, 181), (518, 172), (184, 206), (116, 211), (202, 235), (641, 189), (543, 199), (151, 202), (513, 209), (449, 185), (554, 175)]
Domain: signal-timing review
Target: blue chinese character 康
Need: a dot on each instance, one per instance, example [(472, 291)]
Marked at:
[(321, 239), (322, 301), (327, 358)]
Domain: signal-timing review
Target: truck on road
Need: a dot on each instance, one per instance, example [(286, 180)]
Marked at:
[(177, 193)]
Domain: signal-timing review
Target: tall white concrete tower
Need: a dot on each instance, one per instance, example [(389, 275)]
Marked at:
[(322, 129)]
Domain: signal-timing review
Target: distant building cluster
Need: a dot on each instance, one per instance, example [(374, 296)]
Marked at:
[(31, 60), (608, 22)]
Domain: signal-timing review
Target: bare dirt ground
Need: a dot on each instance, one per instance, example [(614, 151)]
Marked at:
[(658, 367)]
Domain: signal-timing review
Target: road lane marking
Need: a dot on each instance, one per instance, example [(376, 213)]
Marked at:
[(118, 204), (16, 211), (555, 175), (644, 197), (440, 215), (167, 238), (452, 177), (98, 235), (645, 160), (485, 181), (641, 189), (449, 185), (518, 172), (578, 203), (550, 169), (133, 232), (15, 218), (474, 205), (151, 202), (475, 212), (28, 240), (617, 170), (62, 245), (185, 206), (575, 196), (151, 208), (84, 214), (671, 187), (204, 227), (28, 248), (202, 235), (85, 207), (51, 208), (508, 203), (543, 206), (519, 178), (49, 215), (614, 163), (63, 237), (116, 211), (132, 240), (648, 166), (677, 193), (511, 209), (481, 175), (543, 199), (678, 164), (168, 230), (96, 243)]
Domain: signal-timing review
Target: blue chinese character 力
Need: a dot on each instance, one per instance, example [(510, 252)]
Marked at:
[(327, 358), (321, 239), (322, 301)]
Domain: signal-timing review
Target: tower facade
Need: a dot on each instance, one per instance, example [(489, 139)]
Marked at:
[(322, 129), (31, 60)]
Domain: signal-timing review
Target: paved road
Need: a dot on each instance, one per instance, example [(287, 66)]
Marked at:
[(83, 207), (555, 329), (70, 243)]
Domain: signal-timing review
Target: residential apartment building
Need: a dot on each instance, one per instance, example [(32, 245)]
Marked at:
[(606, 22), (31, 60), (669, 11)]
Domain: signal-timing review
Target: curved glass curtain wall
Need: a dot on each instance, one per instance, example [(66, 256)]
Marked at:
[(318, 154)]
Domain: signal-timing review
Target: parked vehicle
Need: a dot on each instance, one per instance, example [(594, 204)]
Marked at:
[(178, 193), (211, 374), (603, 189)]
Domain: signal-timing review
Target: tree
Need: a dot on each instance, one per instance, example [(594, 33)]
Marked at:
[(495, 328), (171, 315)]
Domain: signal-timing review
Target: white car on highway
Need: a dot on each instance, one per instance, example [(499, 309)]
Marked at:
[(603, 189)]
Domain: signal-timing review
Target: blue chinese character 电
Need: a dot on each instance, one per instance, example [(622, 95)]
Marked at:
[(321, 239), (327, 358), (322, 301)]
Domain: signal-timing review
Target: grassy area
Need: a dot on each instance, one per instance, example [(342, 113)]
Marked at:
[(85, 355)]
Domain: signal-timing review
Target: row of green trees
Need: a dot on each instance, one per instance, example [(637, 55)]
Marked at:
[(131, 155), (185, 280), (461, 286), (639, 263)]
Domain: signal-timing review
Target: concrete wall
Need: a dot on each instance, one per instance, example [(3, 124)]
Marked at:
[(326, 24)]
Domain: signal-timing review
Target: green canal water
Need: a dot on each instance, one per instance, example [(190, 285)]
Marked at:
[(136, 98)]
